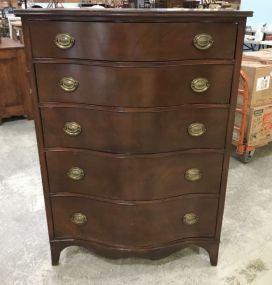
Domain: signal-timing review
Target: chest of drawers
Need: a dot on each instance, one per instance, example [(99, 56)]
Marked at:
[(134, 116)]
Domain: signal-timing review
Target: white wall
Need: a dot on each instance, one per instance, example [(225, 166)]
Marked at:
[(262, 11)]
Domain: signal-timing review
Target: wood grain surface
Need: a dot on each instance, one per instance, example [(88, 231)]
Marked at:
[(137, 177), (147, 42), (134, 224), (134, 132), (135, 85)]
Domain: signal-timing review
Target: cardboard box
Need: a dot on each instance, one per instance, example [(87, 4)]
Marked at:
[(259, 127), (260, 83), (263, 56)]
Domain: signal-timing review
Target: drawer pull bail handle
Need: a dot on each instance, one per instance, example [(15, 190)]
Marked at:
[(193, 174), (203, 41), (200, 85), (72, 128), (68, 84), (75, 173), (79, 219), (64, 41), (190, 219), (196, 129)]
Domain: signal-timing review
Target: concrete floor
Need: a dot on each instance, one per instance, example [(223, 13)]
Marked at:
[(246, 243)]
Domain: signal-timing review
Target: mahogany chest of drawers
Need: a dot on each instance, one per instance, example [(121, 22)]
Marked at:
[(134, 118)]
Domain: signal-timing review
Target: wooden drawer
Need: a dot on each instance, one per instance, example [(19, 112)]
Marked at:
[(130, 86), (134, 224), (133, 41), (137, 177), (134, 132)]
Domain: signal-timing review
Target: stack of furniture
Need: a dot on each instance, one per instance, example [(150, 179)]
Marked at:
[(134, 118)]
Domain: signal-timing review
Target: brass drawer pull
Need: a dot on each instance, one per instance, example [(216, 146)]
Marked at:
[(68, 84), (193, 174), (64, 41), (190, 219), (203, 41), (72, 128), (200, 85), (79, 219), (75, 173), (196, 129)]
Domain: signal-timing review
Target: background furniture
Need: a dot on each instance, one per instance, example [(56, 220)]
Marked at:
[(134, 119), (15, 97)]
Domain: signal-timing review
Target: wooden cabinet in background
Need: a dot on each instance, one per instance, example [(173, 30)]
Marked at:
[(15, 97)]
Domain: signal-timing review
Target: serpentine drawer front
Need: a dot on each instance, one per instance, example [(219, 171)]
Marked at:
[(135, 224), (134, 85), (135, 132), (134, 117), (147, 42), (134, 177)]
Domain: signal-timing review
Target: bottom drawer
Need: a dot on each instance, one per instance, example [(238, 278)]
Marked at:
[(134, 223)]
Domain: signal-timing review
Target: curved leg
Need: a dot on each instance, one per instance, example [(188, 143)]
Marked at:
[(56, 249), (213, 250)]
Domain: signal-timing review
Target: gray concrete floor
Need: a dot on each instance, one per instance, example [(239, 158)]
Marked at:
[(246, 242)]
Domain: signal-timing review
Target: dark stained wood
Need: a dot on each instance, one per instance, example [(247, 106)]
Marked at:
[(39, 131), (134, 132), (134, 224), (151, 15), (134, 177), (152, 252), (238, 56), (15, 97), (148, 86), (148, 42)]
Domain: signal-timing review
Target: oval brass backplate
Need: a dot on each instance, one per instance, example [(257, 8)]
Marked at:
[(79, 219), (75, 173), (193, 174), (203, 41), (68, 84), (72, 128), (196, 129), (64, 41), (190, 219), (200, 85)]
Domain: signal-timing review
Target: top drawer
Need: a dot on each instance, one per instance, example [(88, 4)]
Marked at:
[(133, 41)]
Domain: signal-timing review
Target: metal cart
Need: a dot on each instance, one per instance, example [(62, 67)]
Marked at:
[(244, 151)]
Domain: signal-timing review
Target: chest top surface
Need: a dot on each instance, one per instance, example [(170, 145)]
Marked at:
[(132, 14)]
